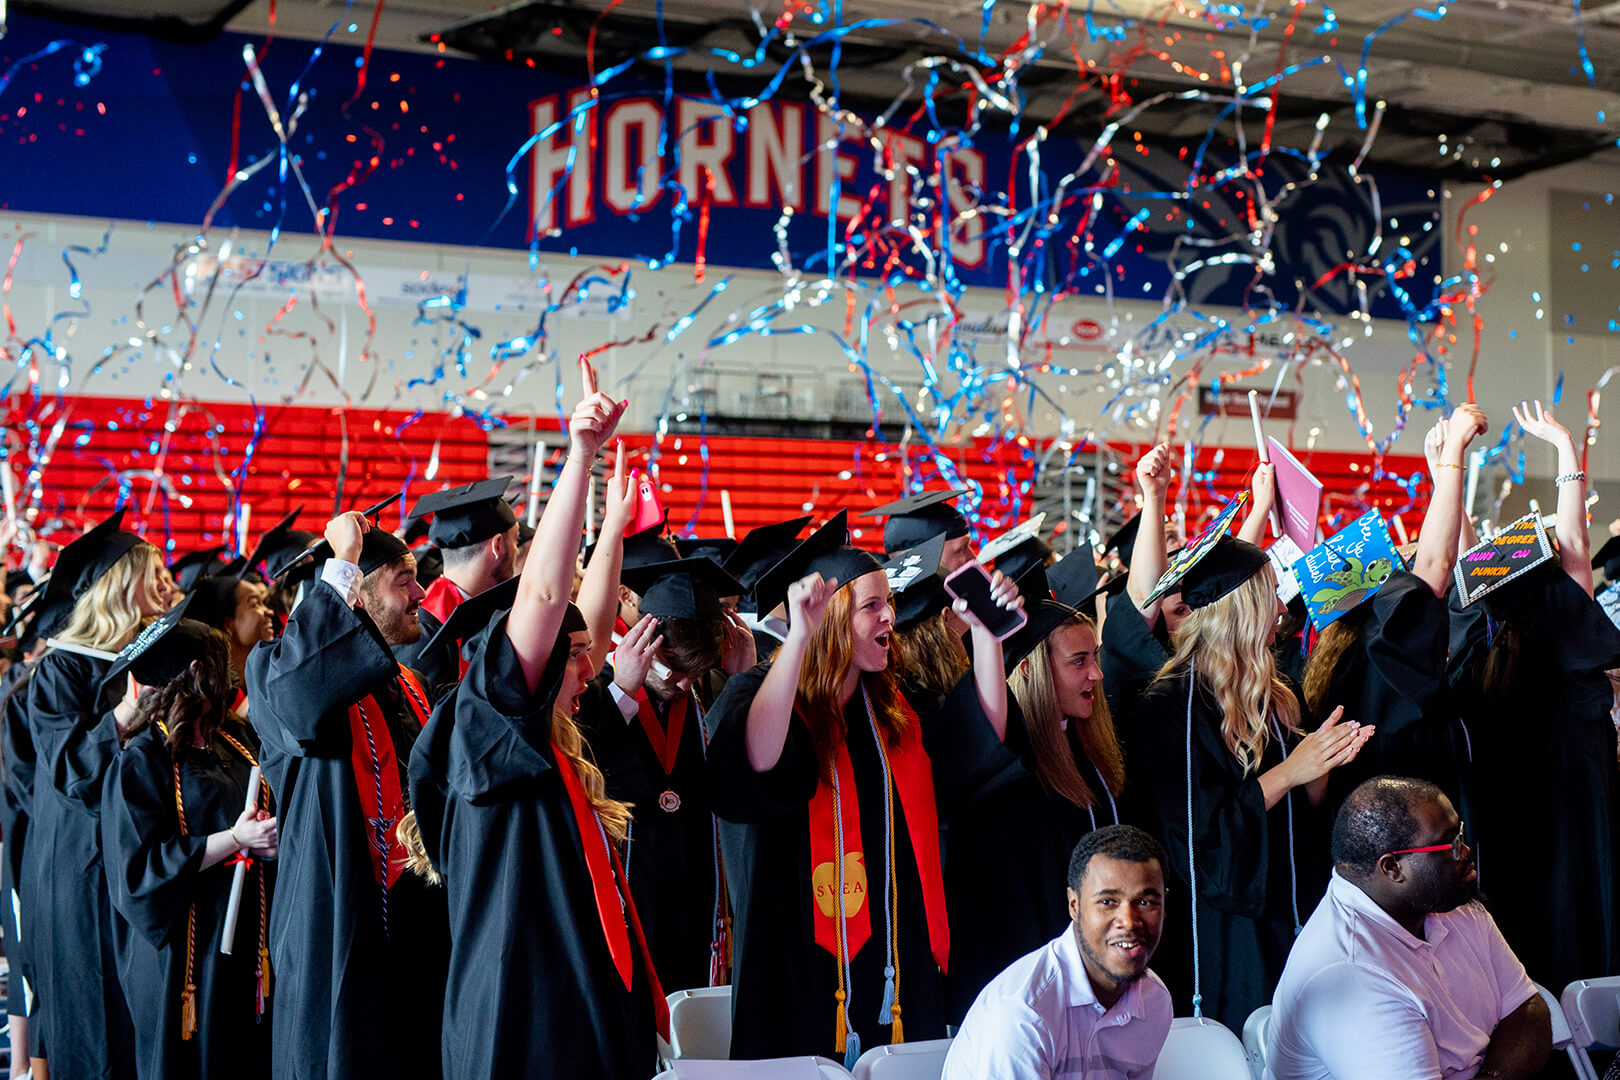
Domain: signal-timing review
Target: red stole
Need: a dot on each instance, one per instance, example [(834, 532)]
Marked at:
[(442, 598), (614, 904), (666, 745), (914, 781), (376, 776)]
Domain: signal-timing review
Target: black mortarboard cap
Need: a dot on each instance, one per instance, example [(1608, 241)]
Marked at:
[(1221, 569), (273, 540), (416, 529), (82, 563), (919, 517), (1124, 539), (1042, 617), (761, 549), (195, 564), (681, 588), (469, 514), (823, 552), (1033, 585), (17, 580), (525, 533), (650, 545), (1031, 552), (1074, 577), (473, 614), (429, 564), (919, 587), (378, 549), (1017, 549), (163, 649), (1608, 558), (715, 548)]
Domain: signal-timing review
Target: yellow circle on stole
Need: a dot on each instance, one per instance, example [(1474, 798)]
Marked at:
[(824, 881)]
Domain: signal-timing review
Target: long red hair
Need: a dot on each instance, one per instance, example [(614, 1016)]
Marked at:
[(826, 664)]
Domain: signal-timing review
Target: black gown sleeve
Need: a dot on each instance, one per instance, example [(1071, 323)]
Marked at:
[(735, 791), (302, 684), (151, 868), (968, 760), (72, 725), (1131, 653), (1405, 639), (1228, 813)]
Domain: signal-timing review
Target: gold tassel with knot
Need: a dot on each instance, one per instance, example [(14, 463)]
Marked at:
[(188, 1011)]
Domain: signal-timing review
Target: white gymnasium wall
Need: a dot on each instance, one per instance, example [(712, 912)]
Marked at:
[(800, 374)]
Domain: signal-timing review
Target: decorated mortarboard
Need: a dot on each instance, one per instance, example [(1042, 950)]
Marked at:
[(916, 518), (681, 588), (163, 649), (918, 586), (82, 563), (469, 514), (1017, 549), (194, 564), (713, 548), (1073, 578), (472, 615), (1346, 569), (1518, 548), (1225, 567), (823, 552), (1284, 553), (377, 549), (761, 549), (1124, 539), (1183, 562)]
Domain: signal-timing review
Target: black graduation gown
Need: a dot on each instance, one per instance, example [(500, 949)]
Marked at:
[(783, 982), (1394, 676), (87, 1030), (671, 858), (155, 877), (17, 766), (1545, 759), (350, 998), (439, 667), (1247, 872), (533, 989), (1007, 854)]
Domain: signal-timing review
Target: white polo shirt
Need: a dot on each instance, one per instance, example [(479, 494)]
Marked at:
[(1362, 999), (1040, 1018)]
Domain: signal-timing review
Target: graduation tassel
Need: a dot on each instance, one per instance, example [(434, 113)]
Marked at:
[(853, 1053), (840, 1023), (188, 1011), (264, 979), (886, 1010), (897, 1035)]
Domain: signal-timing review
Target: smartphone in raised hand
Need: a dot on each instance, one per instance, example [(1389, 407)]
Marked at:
[(971, 582)]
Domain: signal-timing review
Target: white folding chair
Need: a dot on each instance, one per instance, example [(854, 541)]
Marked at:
[(1255, 1031), (1201, 1050), (908, 1061), (1592, 1009), (700, 1023), (1562, 1038), (799, 1068)]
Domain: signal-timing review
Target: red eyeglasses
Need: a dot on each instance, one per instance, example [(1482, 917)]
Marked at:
[(1456, 847)]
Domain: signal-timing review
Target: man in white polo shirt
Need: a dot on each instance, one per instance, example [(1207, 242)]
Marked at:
[(1083, 1006), (1400, 973)]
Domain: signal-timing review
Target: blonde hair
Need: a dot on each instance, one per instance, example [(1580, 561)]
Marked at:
[(1231, 640), (108, 615), (933, 653), (827, 663), (1331, 645), (1055, 748)]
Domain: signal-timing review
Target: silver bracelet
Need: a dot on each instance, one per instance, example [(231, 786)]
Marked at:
[(1564, 478)]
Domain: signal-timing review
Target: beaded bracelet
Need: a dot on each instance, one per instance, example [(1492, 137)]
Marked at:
[(1564, 478)]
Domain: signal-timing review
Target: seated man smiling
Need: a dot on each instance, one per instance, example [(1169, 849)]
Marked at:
[(1401, 972), (1084, 1005)]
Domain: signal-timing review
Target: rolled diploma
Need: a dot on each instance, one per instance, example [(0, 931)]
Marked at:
[(227, 936)]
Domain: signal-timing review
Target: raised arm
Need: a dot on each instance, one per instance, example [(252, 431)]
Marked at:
[(548, 577), (599, 592), (1148, 556), (1262, 494), (989, 663), (1446, 449), (1574, 545), (771, 711)]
